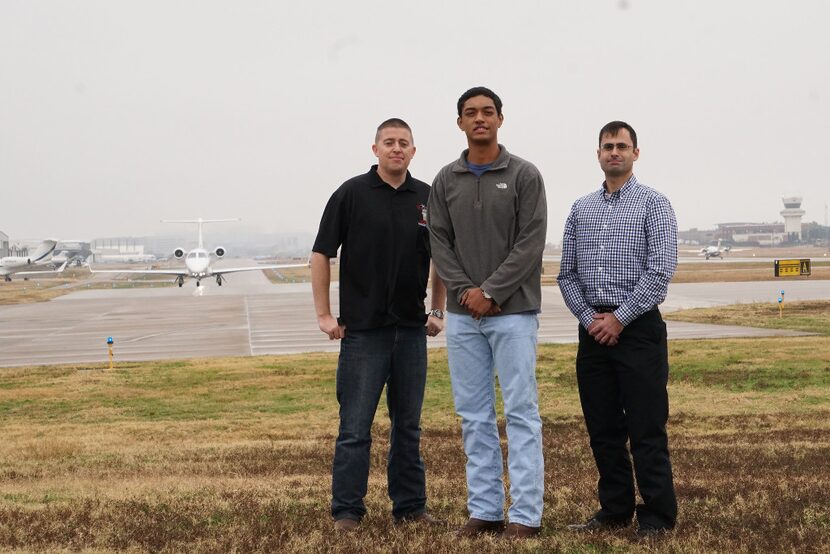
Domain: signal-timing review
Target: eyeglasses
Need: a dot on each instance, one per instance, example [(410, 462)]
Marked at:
[(621, 146)]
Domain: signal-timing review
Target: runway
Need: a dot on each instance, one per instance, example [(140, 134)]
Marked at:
[(249, 316)]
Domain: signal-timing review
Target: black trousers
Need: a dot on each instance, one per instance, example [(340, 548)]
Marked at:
[(622, 389)]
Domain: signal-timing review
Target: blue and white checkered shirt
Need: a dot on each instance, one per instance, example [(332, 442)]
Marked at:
[(619, 249)]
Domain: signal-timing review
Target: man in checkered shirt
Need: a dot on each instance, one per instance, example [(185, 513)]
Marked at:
[(619, 253)]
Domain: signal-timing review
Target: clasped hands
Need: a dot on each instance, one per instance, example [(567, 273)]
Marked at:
[(606, 329), (477, 305)]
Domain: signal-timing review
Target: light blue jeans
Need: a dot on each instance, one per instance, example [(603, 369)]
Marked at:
[(476, 350)]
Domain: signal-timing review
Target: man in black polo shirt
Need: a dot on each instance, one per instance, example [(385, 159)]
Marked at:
[(379, 220)]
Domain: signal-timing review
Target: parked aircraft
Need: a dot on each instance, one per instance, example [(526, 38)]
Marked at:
[(26, 265), (196, 261), (65, 256)]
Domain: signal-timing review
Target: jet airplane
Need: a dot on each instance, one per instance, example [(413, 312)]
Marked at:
[(26, 265), (196, 261), (713, 251)]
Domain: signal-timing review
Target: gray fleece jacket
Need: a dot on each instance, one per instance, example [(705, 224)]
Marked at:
[(489, 232)]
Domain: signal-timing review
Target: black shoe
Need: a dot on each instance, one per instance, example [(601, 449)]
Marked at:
[(346, 525), (650, 532), (595, 524)]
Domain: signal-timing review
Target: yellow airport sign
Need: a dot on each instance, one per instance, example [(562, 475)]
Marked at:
[(792, 268)]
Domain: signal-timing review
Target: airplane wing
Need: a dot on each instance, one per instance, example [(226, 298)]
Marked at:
[(42, 272), (173, 272), (223, 270)]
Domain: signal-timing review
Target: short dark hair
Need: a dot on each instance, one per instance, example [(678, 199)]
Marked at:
[(479, 91), (614, 127), (393, 122)]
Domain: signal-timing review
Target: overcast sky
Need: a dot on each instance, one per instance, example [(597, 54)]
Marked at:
[(114, 114)]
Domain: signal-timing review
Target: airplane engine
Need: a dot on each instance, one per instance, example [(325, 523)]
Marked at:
[(178, 253), (220, 251)]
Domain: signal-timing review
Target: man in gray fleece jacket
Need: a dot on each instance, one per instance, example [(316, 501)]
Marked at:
[(487, 218)]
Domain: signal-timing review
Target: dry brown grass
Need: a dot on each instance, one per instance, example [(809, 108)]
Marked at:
[(235, 455), (20, 291), (296, 274), (811, 316), (719, 271), (26, 292)]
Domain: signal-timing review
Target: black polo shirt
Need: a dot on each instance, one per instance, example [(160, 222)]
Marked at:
[(384, 259)]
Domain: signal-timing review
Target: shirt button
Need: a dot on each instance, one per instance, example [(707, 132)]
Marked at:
[(599, 291), (605, 226), (599, 269), (602, 247)]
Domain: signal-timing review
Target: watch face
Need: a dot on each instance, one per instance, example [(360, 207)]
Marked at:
[(437, 313)]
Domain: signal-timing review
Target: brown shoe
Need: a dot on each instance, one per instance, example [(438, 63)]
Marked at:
[(519, 531), (346, 525), (475, 527), (420, 519)]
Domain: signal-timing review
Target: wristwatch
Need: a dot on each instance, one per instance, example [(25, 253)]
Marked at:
[(487, 296), (439, 313)]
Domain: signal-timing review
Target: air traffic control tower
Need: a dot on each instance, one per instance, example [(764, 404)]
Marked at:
[(792, 214)]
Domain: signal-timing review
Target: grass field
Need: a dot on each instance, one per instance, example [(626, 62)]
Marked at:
[(234, 454), (19, 291)]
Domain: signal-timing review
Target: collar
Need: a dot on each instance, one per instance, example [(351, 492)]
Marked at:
[(460, 165), (624, 190), (378, 182)]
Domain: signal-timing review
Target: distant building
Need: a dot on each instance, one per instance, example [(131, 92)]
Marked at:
[(760, 234), (117, 245), (697, 236), (9, 249), (792, 214)]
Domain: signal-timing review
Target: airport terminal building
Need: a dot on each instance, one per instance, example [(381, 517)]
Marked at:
[(791, 231), (760, 234)]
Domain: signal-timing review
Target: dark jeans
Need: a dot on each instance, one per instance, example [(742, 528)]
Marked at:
[(623, 393), (395, 357)]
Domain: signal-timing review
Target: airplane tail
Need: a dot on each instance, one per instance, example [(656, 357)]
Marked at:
[(199, 222), (43, 252)]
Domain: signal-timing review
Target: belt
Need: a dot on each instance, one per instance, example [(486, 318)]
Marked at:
[(610, 309)]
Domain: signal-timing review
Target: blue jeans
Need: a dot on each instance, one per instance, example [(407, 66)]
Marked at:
[(506, 344), (396, 357)]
